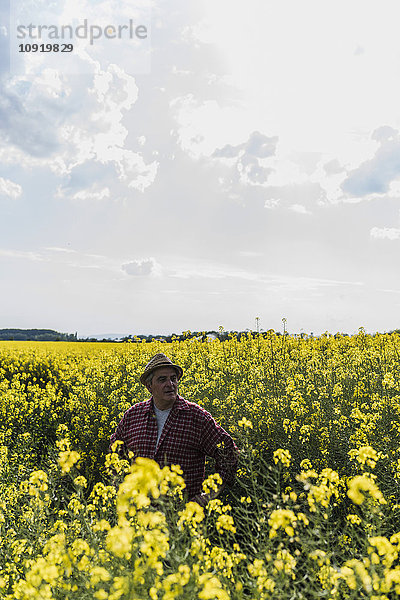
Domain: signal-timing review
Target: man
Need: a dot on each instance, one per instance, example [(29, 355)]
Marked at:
[(173, 431)]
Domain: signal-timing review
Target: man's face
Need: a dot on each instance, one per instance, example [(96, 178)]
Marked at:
[(164, 387)]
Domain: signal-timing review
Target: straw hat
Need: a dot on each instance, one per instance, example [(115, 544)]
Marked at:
[(159, 360)]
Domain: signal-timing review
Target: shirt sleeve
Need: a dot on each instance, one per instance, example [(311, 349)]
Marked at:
[(218, 444)]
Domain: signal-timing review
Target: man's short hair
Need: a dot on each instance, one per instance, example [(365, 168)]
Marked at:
[(149, 379)]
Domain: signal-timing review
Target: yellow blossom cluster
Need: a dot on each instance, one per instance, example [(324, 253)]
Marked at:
[(360, 486), (366, 455), (282, 456)]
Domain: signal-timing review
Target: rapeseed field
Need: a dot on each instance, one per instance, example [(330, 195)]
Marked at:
[(314, 511)]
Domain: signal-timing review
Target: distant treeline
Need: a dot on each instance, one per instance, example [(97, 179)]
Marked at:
[(37, 335), (49, 335)]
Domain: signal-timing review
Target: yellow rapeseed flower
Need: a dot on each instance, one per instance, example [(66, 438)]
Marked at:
[(284, 519), (366, 455), (353, 572), (37, 482), (362, 484), (80, 481), (225, 522), (319, 556), (67, 459), (285, 562), (211, 588), (192, 514), (119, 541), (265, 585), (354, 519), (212, 483), (306, 465), (381, 546), (101, 525), (245, 423), (282, 456)]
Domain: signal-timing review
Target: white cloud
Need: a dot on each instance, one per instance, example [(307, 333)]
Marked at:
[(22, 254), (251, 172), (45, 124), (28, 125), (271, 203), (57, 249), (299, 208), (258, 145), (394, 189), (374, 176), (142, 267), (195, 124), (65, 257), (92, 194), (275, 283), (249, 159), (389, 291), (385, 233), (315, 101), (333, 167), (9, 188)]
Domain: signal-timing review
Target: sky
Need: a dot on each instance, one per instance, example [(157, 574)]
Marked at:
[(242, 160)]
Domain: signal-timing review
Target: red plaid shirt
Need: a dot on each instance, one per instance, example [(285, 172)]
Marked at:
[(189, 435)]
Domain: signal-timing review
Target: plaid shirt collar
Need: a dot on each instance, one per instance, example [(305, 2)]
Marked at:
[(179, 404)]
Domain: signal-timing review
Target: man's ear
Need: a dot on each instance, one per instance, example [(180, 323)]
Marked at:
[(148, 386)]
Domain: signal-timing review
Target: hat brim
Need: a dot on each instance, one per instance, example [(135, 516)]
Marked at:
[(148, 372)]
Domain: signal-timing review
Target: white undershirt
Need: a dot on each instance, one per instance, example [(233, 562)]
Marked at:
[(161, 416)]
